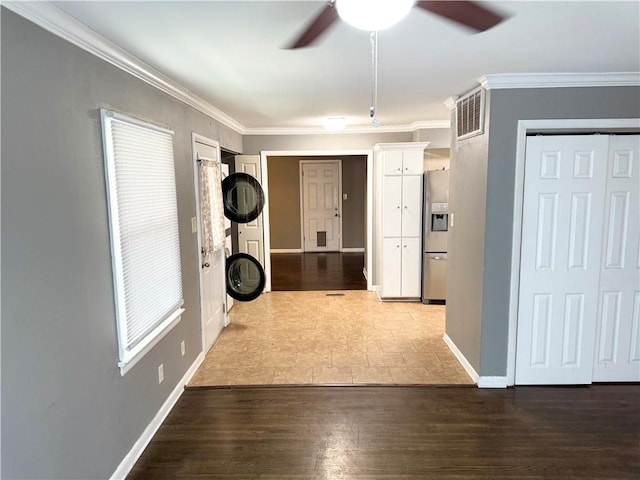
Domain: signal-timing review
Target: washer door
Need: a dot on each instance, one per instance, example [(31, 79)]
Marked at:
[(244, 277), (242, 197)]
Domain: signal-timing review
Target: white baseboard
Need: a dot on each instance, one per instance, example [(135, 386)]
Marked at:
[(352, 250), (492, 382), (132, 457), (461, 358), (286, 250)]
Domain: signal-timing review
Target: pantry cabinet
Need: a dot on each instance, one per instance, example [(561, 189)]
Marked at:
[(399, 173)]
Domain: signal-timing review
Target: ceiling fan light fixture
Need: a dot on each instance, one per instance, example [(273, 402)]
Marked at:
[(335, 124), (373, 15)]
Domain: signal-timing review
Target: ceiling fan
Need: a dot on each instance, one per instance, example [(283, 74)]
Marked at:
[(468, 13)]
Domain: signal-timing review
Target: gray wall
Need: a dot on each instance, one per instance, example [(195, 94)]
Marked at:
[(437, 158), (437, 137), (354, 211), (506, 108), (465, 244), (254, 144), (284, 200), (66, 411)]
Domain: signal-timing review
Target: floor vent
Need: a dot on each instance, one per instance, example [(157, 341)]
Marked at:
[(335, 294), (470, 114)]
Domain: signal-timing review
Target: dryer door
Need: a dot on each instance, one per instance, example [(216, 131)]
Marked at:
[(242, 197), (244, 277)]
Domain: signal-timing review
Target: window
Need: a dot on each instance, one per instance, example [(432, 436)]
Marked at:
[(143, 221)]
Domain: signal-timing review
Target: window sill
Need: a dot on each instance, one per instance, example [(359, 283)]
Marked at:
[(129, 359)]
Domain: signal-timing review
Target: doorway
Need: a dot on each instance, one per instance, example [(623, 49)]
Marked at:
[(579, 240), (321, 199), (332, 188), (364, 211), (206, 163)]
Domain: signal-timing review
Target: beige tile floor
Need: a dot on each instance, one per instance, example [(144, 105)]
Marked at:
[(313, 338)]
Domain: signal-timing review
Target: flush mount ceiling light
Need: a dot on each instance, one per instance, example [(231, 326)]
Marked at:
[(335, 124), (373, 15)]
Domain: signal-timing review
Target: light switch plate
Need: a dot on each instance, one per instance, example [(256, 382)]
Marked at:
[(344, 196), (194, 224), (451, 217)]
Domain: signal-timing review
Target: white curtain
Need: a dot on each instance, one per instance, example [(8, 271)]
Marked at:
[(211, 207)]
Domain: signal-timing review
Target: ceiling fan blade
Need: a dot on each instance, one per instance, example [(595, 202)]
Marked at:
[(471, 14), (317, 27)]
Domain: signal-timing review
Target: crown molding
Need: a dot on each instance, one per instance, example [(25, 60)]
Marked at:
[(63, 25), (559, 80), (365, 129), (450, 102)]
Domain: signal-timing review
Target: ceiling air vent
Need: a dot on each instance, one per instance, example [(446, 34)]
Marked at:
[(470, 114)]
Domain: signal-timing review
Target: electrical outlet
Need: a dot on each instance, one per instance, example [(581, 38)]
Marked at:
[(160, 373), (182, 349)]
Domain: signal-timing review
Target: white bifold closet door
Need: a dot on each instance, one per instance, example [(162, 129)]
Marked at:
[(617, 352), (579, 277)]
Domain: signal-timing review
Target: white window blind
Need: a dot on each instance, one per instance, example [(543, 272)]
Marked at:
[(145, 244)]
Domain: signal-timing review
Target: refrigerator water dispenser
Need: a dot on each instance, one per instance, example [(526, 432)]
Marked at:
[(439, 222)]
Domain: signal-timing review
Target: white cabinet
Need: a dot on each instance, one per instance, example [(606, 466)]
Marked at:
[(398, 169)]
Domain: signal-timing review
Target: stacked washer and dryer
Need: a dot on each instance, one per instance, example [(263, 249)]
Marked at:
[(243, 200)]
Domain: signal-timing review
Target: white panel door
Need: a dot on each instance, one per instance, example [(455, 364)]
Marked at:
[(321, 204), (392, 278), (250, 235), (411, 205), (411, 267), (212, 273), (560, 263), (617, 355)]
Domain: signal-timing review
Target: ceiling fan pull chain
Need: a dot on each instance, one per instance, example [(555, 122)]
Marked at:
[(374, 90)]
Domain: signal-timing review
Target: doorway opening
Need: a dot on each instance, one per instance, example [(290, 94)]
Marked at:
[(318, 234)]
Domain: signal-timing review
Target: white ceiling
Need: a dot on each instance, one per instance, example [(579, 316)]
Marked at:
[(230, 54)]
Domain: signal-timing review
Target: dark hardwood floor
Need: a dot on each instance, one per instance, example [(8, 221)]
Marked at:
[(399, 433), (317, 271)]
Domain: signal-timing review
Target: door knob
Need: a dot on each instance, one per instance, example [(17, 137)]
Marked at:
[(206, 265)]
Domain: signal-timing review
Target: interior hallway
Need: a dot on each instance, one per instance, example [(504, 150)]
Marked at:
[(331, 338)]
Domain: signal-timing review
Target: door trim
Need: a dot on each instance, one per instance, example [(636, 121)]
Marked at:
[(566, 127), (300, 165), (264, 155), (195, 137)]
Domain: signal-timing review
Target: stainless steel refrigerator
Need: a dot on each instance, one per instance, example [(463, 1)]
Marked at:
[(435, 225)]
